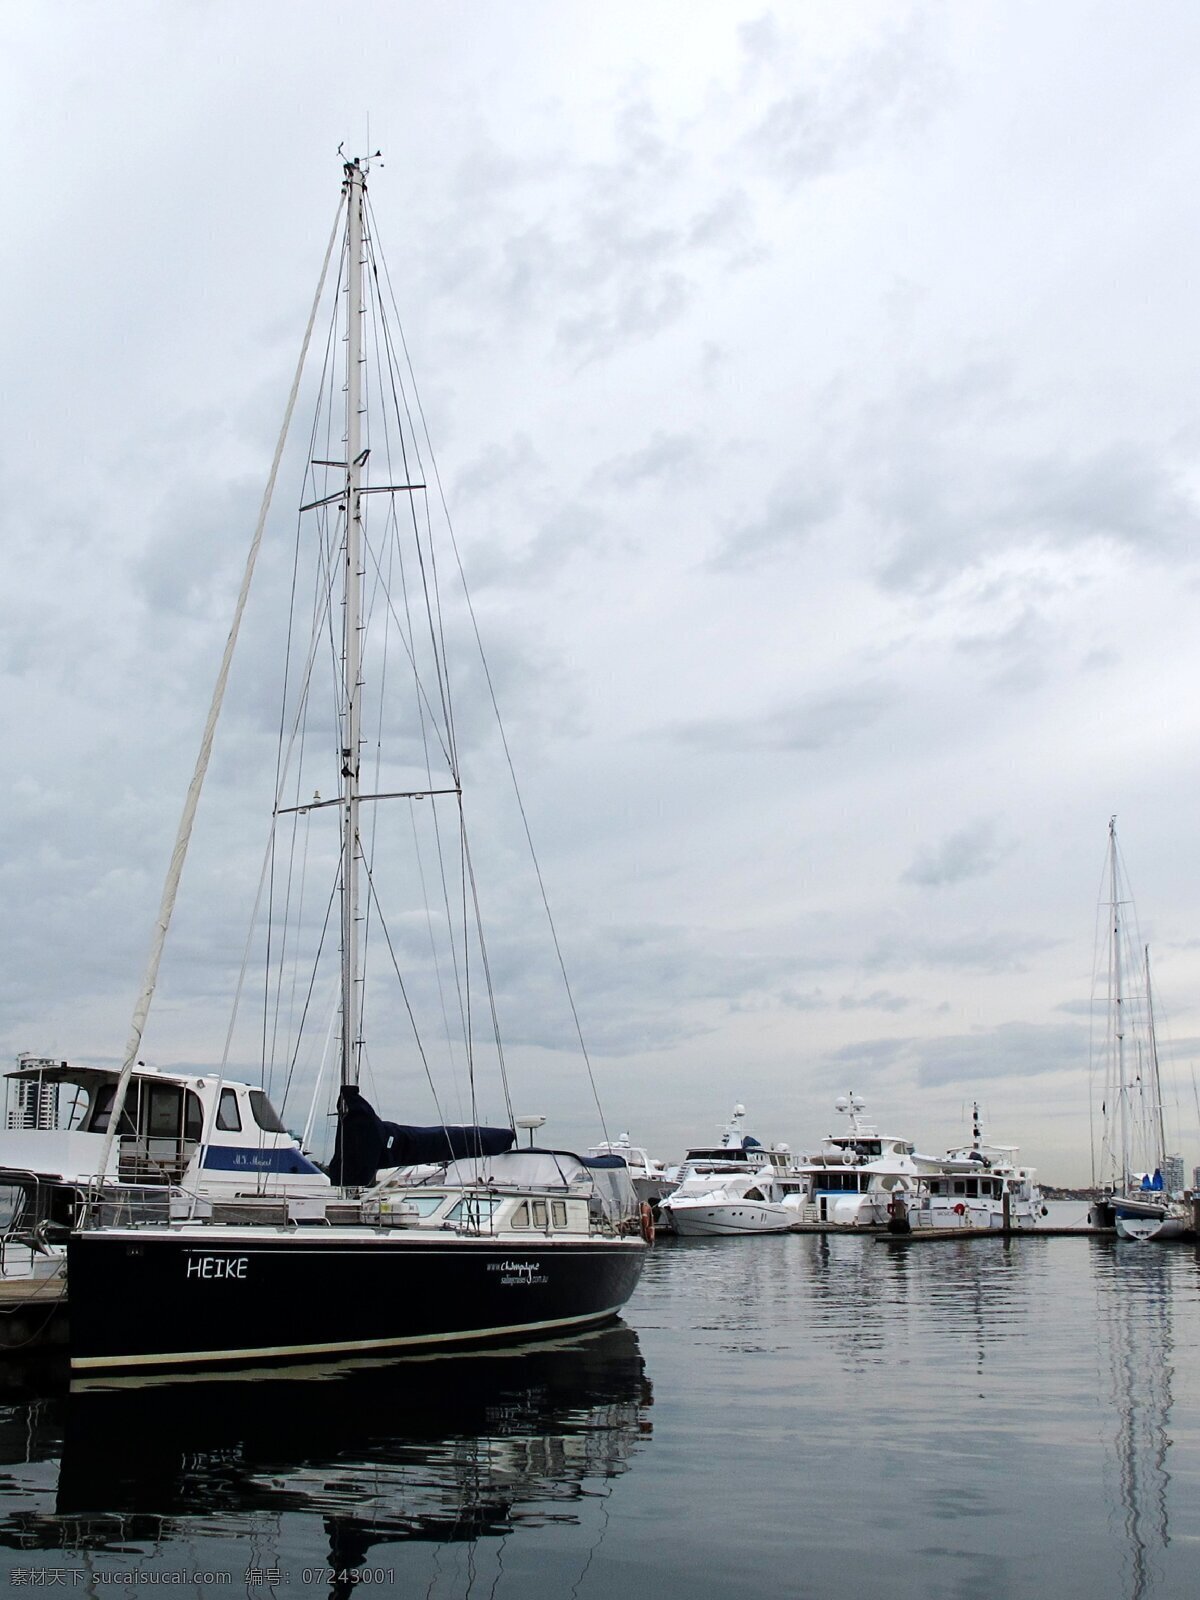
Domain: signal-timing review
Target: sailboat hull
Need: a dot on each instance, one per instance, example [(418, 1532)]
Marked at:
[(141, 1298), (1145, 1226)]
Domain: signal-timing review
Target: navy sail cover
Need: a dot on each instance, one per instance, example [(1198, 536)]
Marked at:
[(365, 1143)]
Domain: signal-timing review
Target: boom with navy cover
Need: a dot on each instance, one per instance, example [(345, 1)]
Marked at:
[(366, 1144)]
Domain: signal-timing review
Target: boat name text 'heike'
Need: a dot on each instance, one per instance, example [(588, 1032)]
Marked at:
[(217, 1266)]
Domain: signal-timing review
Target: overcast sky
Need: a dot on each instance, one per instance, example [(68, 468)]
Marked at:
[(815, 392)]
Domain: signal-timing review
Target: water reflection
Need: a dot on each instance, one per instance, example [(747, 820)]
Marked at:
[(1134, 1321), (446, 1450), (954, 1294)]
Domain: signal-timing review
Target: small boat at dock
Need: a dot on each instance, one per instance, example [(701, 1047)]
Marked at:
[(733, 1187), (1134, 1199), (978, 1186)]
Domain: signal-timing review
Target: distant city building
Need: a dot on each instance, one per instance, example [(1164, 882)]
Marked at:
[(1173, 1170), (1196, 1179)]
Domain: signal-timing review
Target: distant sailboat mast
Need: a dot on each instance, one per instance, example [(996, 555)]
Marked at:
[(1155, 1080)]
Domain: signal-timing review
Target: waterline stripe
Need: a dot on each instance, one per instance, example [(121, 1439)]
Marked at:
[(80, 1363)]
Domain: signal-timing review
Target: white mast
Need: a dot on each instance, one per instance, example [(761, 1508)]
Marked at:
[(355, 189), (1118, 1002)]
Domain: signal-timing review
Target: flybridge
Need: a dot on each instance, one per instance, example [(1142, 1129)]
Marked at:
[(197, 1130)]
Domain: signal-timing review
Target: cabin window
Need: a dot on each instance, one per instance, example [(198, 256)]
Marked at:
[(937, 1186), (165, 1113), (959, 1186), (474, 1209), (426, 1204), (193, 1117), (520, 1217), (840, 1182), (264, 1113), (77, 1111), (540, 1217), (558, 1213), (229, 1118), (973, 1186), (12, 1203), (98, 1121)]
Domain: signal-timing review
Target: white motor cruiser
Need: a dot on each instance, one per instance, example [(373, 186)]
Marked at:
[(729, 1188), (651, 1178), (979, 1186), (858, 1178)]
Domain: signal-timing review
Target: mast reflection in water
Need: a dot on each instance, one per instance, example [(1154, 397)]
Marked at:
[(1134, 1320), (451, 1450)]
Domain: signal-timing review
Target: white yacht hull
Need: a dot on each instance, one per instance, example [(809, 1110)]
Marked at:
[(971, 1214), (839, 1210), (713, 1217)]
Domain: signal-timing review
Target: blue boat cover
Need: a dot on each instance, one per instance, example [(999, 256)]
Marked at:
[(365, 1143)]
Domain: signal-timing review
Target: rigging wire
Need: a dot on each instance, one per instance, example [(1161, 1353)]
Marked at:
[(499, 719), (487, 971), (404, 994), (282, 755), (183, 837)]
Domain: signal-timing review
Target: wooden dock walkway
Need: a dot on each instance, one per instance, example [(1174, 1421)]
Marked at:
[(33, 1313)]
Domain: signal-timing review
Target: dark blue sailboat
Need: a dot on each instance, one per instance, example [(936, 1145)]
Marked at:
[(430, 1237)]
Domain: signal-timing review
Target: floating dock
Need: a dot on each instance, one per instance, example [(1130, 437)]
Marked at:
[(942, 1235), (914, 1235), (33, 1313)]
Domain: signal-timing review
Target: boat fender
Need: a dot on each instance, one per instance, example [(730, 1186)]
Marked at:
[(647, 1220), (960, 1210)]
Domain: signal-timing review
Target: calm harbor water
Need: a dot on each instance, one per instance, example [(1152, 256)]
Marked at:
[(800, 1415)]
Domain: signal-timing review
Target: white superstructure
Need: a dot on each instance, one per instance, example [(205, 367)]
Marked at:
[(858, 1178), (185, 1139), (728, 1188)]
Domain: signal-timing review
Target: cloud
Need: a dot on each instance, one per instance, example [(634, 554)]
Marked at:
[(794, 511), (969, 853), (954, 487), (1010, 1050), (946, 478), (603, 251), (667, 456), (990, 953), (820, 722), (880, 90), (877, 1000)]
